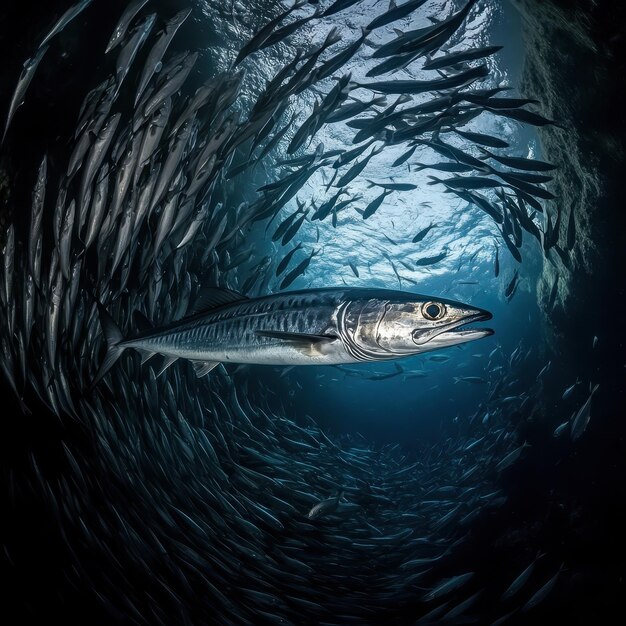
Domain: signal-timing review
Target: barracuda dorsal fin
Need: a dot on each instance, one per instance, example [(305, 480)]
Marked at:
[(213, 297), (201, 368)]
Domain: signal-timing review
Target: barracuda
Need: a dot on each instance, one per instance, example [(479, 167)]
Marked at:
[(311, 327)]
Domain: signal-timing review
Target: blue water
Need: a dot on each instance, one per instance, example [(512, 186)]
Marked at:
[(408, 408), (162, 480)]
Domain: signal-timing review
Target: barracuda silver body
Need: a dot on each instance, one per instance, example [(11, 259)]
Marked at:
[(312, 327)]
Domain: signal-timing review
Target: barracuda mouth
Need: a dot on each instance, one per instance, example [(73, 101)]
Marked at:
[(460, 331), (456, 332)]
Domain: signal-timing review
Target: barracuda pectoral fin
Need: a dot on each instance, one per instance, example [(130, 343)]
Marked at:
[(202, 368), (307, 344)]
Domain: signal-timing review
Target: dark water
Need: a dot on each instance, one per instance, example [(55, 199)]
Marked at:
[(172, 499)]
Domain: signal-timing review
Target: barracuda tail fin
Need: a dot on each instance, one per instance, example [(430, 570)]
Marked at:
[(113, 336)]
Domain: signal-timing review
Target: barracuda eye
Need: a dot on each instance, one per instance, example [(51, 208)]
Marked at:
[(433, 310)]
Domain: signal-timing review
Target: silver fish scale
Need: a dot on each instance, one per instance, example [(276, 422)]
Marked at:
[(234, 327)]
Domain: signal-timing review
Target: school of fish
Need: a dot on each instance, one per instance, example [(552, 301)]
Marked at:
[(265, 518)]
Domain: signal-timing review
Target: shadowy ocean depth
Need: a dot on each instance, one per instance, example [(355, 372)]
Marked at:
[(312, 312)]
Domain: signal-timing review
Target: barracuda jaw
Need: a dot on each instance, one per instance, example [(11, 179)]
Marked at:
[(454, 333), (463, 336)]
